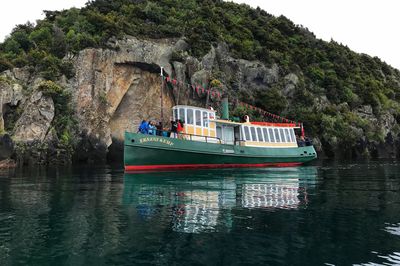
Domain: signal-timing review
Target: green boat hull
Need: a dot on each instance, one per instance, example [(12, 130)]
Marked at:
[(148, 152)]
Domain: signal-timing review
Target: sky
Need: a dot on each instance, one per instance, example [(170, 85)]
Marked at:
[(365, 26)]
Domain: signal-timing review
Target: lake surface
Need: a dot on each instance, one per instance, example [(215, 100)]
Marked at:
[(330, 214)]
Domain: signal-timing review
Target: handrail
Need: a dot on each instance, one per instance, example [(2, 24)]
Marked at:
[(191, 135)]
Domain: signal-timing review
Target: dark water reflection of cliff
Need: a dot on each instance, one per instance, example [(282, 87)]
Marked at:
[(337, 214)]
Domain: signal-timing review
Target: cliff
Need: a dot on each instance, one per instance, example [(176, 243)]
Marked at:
[(75, 106)]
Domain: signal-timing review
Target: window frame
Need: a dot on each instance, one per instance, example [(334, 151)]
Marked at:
[(253, 134), (198, 120), (291, 131), (271, 135), (206, 121), (247, 135), (265, 134), (281, 132), (260, 134), (184, 114), (277, 137), (288, 138), (187, 116)]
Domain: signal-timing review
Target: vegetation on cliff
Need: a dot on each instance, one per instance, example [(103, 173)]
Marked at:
[(327, 70)]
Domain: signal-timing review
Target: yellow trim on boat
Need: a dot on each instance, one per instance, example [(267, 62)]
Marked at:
[(267, 144)]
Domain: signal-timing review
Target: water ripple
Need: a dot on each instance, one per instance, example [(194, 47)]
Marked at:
[(393, 229)]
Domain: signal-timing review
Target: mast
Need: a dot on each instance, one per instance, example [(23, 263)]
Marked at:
[(161, 97)]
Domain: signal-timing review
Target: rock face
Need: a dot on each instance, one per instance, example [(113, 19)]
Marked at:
[(10, 95), (35, 121), (7, 163), (114, 91), (6, 147)]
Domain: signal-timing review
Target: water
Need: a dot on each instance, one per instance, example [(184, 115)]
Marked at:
[(334, 214)]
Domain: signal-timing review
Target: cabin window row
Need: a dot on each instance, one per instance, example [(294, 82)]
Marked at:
[(193, 117), (264, 134)]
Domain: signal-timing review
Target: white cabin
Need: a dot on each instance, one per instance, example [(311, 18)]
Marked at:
[(201, 124)]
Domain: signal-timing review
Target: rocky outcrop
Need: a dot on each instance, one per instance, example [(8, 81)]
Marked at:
[(10, 95), (7, 163), (115, 89), (35, 121), (6, 147)]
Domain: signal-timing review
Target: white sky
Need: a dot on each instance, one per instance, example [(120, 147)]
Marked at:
[(366, 26), (15, 12)]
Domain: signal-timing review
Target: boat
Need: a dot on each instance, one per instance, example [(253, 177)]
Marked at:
[(209, 141)]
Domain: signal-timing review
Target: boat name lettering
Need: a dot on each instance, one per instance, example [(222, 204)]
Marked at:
[(228, 151), (153, 139)]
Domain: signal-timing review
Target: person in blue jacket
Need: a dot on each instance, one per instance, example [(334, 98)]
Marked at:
[(144, 127)]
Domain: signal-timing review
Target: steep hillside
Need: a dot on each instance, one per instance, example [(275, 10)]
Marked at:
[(78, 78)]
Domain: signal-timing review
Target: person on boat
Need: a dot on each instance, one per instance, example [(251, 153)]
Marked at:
[(152, 128), (143, 127), (159, 129), (165, 133), (180, 128), (174, 129), (301, 141)]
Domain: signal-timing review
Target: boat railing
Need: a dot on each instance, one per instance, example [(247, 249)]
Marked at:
[(239, 142), (191, 137), (305, 143), (206, 138)]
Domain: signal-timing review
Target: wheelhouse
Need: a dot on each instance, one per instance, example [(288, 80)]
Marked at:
[(198, 122)]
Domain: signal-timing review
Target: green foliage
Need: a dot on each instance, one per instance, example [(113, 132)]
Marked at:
[(49, 88), (5, 64), (326, 69), (238, 112), (64, 123), (4, 79), (215, 83), (271, 100)]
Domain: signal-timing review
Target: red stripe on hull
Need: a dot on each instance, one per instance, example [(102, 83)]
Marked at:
[(195, 166)]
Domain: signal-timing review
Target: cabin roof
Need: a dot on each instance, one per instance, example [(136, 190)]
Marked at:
[(259, 124), (193, 107), (272, 124), (221, 121)]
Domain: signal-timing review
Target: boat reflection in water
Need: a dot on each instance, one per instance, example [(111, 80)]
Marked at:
[(210, 201)]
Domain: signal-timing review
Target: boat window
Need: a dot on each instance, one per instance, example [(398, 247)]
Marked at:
[(228, 134), (259, 133), (288, 139), (278, 139), (175, 114), (282, 135), (247, 133), (253, 133), (271, 135), (198, 117), (219, 132), (182, 114), (190, 117), (205, 119), (292, 134), (266, 138)]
